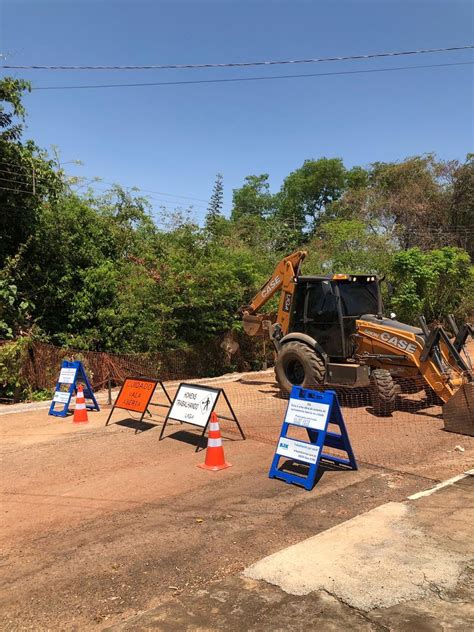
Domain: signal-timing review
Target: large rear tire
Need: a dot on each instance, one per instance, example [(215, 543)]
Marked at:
[(383, 391), (299, 365)]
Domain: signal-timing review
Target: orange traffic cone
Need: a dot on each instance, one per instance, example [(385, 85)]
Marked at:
[(215, 459), (80, 411)]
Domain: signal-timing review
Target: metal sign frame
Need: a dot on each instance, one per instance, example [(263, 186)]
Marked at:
[(79, 374), (319, 438), (219, 391), (152, 392)]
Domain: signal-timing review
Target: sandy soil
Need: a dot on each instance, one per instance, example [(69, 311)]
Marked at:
[(99, 523)]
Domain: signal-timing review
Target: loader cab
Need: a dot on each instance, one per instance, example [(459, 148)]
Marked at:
[(326, 308)]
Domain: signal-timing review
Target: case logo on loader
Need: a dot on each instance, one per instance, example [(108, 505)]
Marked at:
[(271, 285), (398, 342)]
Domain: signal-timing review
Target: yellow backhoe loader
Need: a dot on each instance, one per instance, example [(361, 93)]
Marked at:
[(330, 330)]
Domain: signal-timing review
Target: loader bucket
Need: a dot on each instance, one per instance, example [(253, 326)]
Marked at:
[(252, 324), (458, 412)]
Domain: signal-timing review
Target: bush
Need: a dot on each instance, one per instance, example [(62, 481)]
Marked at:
[(433, 283), (13, 385)]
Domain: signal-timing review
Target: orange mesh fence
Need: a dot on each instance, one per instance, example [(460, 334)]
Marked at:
[(411, 439), (41, 363)]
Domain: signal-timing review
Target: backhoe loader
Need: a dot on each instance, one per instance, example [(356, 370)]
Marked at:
[(330, 330)]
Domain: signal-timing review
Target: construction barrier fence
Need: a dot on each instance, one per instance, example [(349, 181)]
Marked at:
[(39, 363), (412, 439)]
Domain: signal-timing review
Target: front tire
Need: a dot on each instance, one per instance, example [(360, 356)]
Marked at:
[(383, 391), (299, 365)]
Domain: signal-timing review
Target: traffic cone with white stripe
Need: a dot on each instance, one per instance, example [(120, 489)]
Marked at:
[(80, 411), (215, 459)]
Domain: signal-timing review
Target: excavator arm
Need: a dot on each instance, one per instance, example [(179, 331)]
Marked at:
[(282, 280)]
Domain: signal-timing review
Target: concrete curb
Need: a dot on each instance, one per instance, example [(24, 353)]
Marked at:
[(382, 558)]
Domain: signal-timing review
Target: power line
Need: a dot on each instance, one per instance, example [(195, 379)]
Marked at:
[(184, 197), (237, 79), (16, 165), (17, 190), (148, 191), (83, 179), (152, 197), (247, 64), (161, 201), (14, 173), (6, 179)]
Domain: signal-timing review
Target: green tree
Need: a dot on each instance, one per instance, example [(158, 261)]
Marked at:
[(214, 215), (253, 199), (28, 178), (408, 200), (433, 283), (12, 112), (307, 192), (15, 309), (461, 211), (348, 246)]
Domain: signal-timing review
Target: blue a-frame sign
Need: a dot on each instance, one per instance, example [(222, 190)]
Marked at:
[(314, 411), (71, 373)]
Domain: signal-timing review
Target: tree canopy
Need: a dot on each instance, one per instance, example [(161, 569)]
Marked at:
[(96, 272)]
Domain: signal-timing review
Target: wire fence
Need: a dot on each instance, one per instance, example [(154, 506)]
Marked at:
[(411, 439), (39, 362)]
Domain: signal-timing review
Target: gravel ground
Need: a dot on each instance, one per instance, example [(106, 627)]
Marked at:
[(99, 524)]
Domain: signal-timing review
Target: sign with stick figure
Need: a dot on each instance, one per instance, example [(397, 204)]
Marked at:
[(193, 404)]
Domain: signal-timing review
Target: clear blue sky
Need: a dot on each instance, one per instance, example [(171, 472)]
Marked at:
[(176, 138)]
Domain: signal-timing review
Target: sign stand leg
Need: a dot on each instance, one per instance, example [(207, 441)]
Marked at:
[(110, 415), (200, 442), (163, 427), (165, 392)]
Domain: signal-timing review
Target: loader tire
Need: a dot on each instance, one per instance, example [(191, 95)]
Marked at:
[(298, 365), (383, 391)]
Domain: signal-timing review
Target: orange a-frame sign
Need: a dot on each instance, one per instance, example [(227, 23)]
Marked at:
[(135, 395)]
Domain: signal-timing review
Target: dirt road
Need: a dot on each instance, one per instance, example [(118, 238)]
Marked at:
[(100, 523)]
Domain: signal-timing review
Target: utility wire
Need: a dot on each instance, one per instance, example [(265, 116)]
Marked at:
[(247, 64), (10, 164), (14, 173), (17, 190), (93, 181), (236, 79), (185, 197), (152, 197), (6, 179)]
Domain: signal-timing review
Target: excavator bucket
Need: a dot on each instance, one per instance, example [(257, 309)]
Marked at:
[(252, 324), (458, 412)]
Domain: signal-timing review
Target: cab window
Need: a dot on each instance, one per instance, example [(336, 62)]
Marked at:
[(359, 297), (322, 305)]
